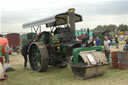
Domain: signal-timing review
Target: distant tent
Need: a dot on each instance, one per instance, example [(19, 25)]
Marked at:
[(80, 32)]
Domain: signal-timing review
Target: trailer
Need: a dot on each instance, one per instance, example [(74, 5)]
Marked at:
[(14, 41)]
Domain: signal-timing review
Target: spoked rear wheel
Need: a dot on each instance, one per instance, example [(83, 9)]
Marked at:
[(38, 57)]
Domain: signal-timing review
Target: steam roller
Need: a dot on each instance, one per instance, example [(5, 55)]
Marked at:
[(56, 46), (88, 62)]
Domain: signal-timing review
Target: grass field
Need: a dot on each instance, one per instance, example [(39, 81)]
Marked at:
[(57, 76)]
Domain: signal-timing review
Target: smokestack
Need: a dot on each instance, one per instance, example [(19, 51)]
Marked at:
[(72, 22)]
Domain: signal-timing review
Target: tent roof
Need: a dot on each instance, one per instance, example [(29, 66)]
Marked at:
[(56, 20)]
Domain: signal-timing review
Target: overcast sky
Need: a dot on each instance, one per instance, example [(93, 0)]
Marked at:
[(15, 13)]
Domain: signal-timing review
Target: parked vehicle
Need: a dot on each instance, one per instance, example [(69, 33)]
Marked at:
[(59, 47), (14, 41)]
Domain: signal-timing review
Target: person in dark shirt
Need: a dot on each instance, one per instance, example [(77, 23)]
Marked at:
[(25, 53), (110, 37), (98, 41), (126, 41), (126, 45), (117, 41)]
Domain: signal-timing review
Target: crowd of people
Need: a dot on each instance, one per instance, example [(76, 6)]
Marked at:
[(5, 66), (107, 45), (108, 42)]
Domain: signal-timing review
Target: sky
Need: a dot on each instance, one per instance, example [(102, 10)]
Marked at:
[(14, 13)]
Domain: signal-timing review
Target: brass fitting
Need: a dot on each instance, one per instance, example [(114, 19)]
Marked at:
[(71, 10)]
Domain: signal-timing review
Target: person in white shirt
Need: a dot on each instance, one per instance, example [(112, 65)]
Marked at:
[(107, 47), (121, 37)]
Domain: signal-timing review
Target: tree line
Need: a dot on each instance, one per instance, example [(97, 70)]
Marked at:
[(112, 27)]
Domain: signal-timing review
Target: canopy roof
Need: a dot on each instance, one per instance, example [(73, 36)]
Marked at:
[(59, 19)]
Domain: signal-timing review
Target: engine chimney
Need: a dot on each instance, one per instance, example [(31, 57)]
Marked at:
[(72, 22)]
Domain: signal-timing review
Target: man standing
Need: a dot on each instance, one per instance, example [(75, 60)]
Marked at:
[(107, 45), (117, 41), (7, 49), (25, 53)]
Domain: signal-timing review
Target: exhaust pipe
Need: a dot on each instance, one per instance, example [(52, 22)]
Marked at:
[(72, 22)]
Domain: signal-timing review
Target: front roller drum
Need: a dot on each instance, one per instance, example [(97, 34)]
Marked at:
[(38, 57), (84, 69), (85, 72)]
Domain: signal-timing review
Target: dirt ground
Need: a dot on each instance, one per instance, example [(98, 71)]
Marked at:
[(57, 76)]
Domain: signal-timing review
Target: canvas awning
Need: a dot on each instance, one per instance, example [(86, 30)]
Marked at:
[(60, 19)]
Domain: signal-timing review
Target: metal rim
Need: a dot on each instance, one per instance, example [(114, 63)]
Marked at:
[(79, 69), (35, 57), (38, 57)]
